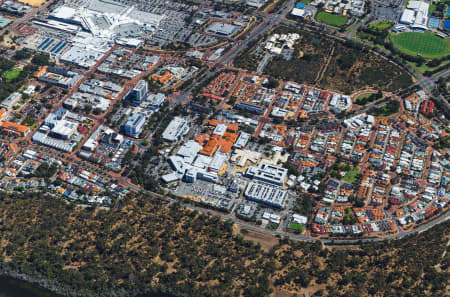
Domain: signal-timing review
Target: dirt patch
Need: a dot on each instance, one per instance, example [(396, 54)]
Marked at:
[(279, 292), (343, 247), (34, 3), (267, 241)]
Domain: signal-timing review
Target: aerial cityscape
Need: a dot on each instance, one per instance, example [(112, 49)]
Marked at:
[(192, 133)]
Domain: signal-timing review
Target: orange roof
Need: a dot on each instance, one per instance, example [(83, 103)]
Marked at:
[(225, 146), (163, 78), (280, 128), (232, 137), (41, 71), (2, 113), (308, 164), (413, 98), (202, 139), (212, 96), (303, 114), (231, 127), (13, 127), (210, 148)]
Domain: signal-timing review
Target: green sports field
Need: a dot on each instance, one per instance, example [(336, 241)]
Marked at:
[(331, 19), (11, 74), (425, 44)]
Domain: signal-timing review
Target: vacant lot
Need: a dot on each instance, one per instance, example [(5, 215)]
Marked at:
[(34, 3), (352, 69), (309, 57), (331, 19), (426, 44), (324, 62)]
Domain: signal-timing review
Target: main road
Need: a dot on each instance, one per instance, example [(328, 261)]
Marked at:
[(265, 26)]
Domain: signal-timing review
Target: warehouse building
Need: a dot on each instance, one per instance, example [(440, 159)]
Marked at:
[(416, 15)]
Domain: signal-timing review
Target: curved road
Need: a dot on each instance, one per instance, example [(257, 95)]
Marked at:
[(255, 228)]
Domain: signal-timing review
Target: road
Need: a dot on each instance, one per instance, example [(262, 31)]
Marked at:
[(225, 60), (266, 25), (255, 228)]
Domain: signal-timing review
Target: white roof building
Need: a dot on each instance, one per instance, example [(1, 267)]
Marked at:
[(416, 14), (176, 129)]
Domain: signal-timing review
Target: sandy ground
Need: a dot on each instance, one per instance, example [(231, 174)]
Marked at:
[(34, 3), (7, 41), (267, 241)]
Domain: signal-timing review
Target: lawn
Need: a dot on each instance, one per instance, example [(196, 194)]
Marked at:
[(388, 109), (331, 19), (426, 44), (297, 227), (12, 74), (350, 176), (431, 8), (362, 97), (423, 67), (382, 25)]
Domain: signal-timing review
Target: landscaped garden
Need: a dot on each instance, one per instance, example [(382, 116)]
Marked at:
[(351, 175)]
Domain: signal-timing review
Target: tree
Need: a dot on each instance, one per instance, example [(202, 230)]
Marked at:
[(40, 60), (22, 55)]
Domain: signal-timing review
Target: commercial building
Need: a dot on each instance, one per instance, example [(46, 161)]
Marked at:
[(250, 107), (11, 100), (59, 130), (59, 77), (63, 129), (4, 22), (16, 8), (223, 29), (268, 194), (42, 138), (427, 107), (134, 124), (139, 93), (217, 162), (176, 129), (156, 101), (340, 103), (267, 173), (14, 128), (242, 141)]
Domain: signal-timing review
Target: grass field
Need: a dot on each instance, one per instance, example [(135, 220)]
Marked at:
[(350, 176), (331, 19), (381, 26), (11, 74), (431, 8), (297, 227), (362, 97), (426, 44)]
